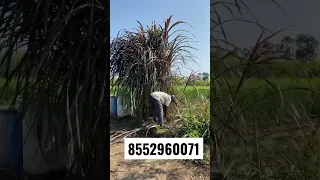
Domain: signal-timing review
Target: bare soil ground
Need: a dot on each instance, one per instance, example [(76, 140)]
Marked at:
[(151, 169)]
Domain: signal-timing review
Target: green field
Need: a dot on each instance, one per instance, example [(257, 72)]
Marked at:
[(7, 94), (268, 100), (188, 92)]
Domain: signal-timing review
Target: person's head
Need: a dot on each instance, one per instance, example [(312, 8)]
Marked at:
[(174, 99)]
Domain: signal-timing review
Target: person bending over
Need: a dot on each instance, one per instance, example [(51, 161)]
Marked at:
[(160, 102)]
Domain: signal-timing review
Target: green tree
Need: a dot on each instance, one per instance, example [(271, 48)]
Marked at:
[(306, 47), (205, 76), (287, 45), (199, 76)]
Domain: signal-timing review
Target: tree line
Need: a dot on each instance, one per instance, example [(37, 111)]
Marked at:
[(302, 47)]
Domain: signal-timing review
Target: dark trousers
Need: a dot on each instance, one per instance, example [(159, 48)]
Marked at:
[(157, 110)]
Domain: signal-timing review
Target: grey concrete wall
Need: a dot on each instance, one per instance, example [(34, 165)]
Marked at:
[(53, 156)]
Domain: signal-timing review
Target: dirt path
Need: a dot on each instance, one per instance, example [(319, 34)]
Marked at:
[(152, 169)]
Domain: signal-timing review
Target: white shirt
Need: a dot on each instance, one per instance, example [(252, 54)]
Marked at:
[(163, 97)]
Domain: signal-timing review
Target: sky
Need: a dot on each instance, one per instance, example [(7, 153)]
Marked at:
[(303, 15), (125, 13)]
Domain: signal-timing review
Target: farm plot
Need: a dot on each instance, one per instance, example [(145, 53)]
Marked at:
[(192, 121)]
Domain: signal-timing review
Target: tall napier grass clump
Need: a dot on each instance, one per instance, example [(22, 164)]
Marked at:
[(142, 60), (61, 77), (262, 128)]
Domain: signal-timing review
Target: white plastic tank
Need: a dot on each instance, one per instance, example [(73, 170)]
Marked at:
[(124, 108)]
